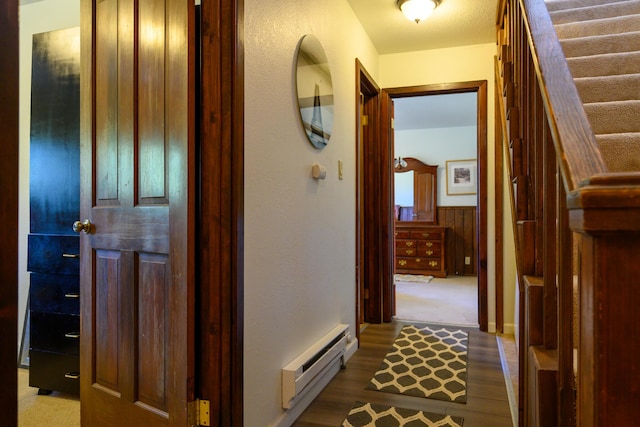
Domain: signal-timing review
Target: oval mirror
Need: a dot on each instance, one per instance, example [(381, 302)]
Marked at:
[(315, 91)]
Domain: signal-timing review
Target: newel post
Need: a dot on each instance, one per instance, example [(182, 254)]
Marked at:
[(605, 211)]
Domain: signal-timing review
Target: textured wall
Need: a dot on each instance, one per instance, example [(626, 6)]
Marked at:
[(299, 232)]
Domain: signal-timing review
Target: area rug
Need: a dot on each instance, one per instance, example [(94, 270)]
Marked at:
[(412, 278), (370, 414), (425, 361)]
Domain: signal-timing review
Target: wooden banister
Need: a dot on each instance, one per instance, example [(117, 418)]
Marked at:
[(577, 232)]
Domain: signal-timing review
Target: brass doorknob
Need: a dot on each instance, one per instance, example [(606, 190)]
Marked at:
[(85, 226)]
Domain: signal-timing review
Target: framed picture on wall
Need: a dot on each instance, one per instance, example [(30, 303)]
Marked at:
[(462, 177)]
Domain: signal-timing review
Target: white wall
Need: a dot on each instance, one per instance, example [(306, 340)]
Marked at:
[(35, 18), (460, 64), (436, 147), (299, 232)]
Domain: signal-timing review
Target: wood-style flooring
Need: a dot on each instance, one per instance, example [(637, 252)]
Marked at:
[(487, 402)]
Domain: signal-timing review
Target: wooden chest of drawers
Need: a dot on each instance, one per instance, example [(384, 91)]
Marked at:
[(54, 307), (420, 249)]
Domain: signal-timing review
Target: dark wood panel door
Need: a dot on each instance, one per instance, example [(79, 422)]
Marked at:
[(137, 191)]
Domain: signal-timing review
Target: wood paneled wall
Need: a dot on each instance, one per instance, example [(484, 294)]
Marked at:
[(461, 239)]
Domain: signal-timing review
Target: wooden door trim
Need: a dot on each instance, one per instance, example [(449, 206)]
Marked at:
[(9, 123), (480, 87), (221, 218), (367, 217)]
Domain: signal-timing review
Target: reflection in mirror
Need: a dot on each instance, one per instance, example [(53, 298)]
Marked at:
[(420, 181), (315, 91)]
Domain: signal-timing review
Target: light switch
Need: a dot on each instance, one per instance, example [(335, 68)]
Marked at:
[(467, 260)]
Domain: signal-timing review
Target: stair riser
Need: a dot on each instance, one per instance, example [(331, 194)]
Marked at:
[(599, 27), (604, 65), (598, 45), (600, 11), (614, 117)]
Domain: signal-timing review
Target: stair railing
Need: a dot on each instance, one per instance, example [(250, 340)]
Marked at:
[(577, 230)]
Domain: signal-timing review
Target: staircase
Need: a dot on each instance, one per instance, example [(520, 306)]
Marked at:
[(568, 115), (601, 41)]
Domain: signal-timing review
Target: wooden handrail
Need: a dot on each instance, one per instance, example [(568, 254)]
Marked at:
[(576, 147)]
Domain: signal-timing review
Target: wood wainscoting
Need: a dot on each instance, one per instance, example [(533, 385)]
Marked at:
[(461, 239)]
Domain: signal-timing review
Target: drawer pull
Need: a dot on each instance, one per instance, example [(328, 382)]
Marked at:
[(72, 335), (72, 375), (429, 244), (409, 244), (402, 262), (418, 260), (409, 251), (72, 295), (429, 253), (71, 255), (425, 234), (433, 263)]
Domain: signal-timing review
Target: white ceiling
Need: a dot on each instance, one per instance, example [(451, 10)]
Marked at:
[(436, 111), (453, 23)]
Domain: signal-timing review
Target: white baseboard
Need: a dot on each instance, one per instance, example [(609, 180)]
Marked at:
[(288, 417)]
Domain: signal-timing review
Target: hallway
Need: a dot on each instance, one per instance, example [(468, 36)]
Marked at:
[(487, 402)]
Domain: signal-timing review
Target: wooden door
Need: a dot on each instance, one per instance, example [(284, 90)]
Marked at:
[(137, 191)]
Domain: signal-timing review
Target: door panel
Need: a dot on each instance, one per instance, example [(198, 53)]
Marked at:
[(137, 189)]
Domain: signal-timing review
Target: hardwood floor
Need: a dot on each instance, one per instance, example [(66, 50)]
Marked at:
[(487, 402)]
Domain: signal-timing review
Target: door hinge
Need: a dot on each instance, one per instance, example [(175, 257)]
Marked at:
[(393, 123), (198, 413), (364, 120)]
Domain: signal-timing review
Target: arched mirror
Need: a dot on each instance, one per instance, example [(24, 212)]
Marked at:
[(416, 185), (315, 91)]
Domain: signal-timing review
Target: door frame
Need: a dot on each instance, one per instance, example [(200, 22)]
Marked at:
[(386, 227), (220, 222), (9, 123)]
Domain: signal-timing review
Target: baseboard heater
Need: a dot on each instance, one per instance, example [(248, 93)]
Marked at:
[(305, 369)]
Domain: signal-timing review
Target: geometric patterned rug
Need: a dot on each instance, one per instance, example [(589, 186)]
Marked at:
[(370, 414), (426, 361)]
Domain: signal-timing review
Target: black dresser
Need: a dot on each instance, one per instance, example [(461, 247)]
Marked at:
[(53, 247)]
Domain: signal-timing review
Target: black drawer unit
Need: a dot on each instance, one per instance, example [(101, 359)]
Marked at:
[(54, 197)]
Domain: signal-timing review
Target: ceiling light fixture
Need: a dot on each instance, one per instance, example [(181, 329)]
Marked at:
[(417, 10)]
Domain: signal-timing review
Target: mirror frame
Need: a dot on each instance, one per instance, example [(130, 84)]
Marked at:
[(314, 91), (425, 190)]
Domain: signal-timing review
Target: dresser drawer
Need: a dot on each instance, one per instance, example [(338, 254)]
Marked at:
[(432, 252), (53, 254), (411, 244), (417, 263), (426, 234), (55, 332), (53, 293), (53, 371), (402, 234), (406, 252), (429, 245)]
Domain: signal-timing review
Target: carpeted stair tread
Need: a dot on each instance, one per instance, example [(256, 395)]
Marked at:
[(554, 5), (597, 45), (620, 151), (599, 11), (597, 27), (605, 64), (614, 117), (608, 88)]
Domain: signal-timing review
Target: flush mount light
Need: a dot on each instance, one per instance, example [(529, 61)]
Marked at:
[(417, 10)]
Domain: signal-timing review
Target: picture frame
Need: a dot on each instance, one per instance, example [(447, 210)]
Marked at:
[(462, 177)]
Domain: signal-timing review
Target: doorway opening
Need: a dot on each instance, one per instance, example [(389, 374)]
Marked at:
[(375, 258), (438, 283)]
